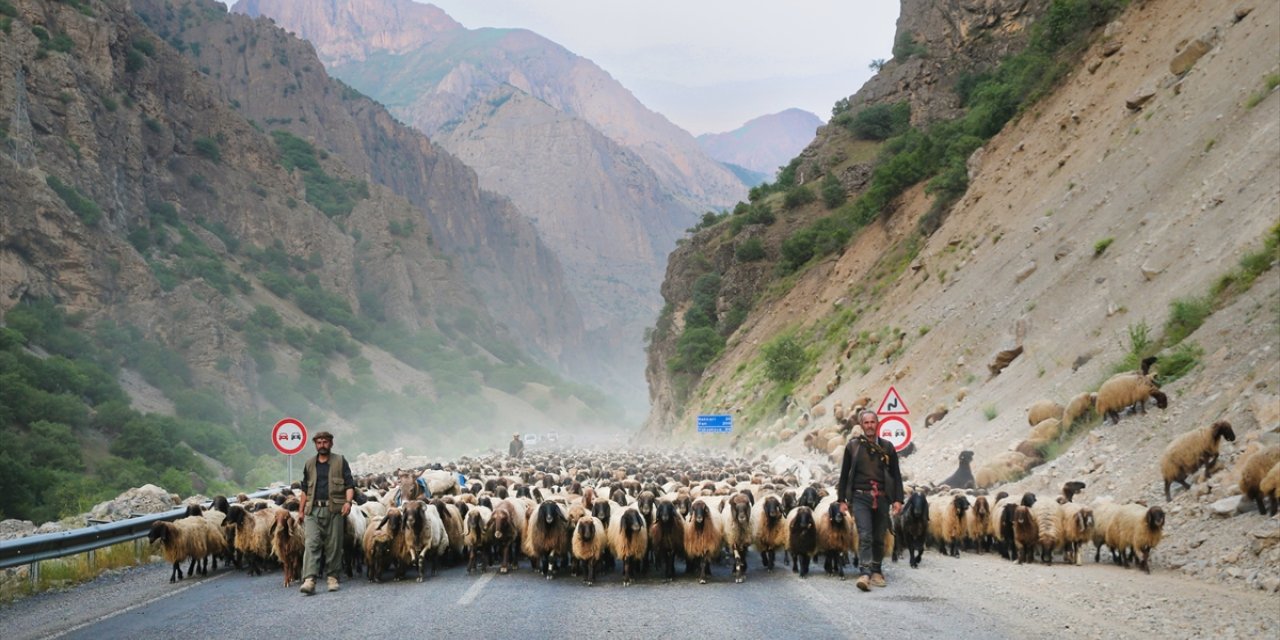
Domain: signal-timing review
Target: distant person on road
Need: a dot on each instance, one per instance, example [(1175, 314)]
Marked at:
[(327, 491), (870, 486), (516, 448)]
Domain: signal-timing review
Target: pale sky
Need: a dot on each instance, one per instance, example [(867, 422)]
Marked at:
[(711, 65)]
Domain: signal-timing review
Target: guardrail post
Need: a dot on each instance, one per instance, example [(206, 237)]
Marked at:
[(137, 550), (93, 560), (34, 573)]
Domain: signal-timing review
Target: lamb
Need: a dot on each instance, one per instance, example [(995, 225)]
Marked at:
[(180, 540), (1128, 389), (1078, 407), (1192, 450), (666, 537), (802, 541), (588, 545), (1049, 525), (475, 537), (736, 517), (914, 527), (1026, 533), (837, 535), (629, 541), (1270, 488), (1253, 469), (963, 476), (702, 536), (1043, 410), (547, 537), (1077, 528), (946, 523), (505, 527), (378, 539), (1134, 531), (287, 544), (977, 522), (768, 528)]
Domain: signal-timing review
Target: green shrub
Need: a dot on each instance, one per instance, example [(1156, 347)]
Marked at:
[(87, 210), (881, 121), (833, 194), (696, 348), (750, 250), (145, 46), (784, 359), (798, 196), (208, 149), (989, 412), (1179, 361), (1185, 316), (906, 47), (1100, 246)]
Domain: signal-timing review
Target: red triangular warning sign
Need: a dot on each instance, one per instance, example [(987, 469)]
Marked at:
[(892, 404)]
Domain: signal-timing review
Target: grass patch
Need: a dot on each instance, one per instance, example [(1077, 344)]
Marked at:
[(1185, 316), (1269, 83), (73, 570), (989, 412), (1100, 246)]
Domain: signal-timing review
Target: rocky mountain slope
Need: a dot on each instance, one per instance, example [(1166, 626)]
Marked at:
[(765, 143), (242, 271), (586, 162), (1119, 210)]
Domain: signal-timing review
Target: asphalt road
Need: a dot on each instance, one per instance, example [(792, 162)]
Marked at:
[(140, 603)]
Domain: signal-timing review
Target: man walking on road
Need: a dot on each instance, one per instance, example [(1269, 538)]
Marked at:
[(327, 491), (870, 485), (516, 448)]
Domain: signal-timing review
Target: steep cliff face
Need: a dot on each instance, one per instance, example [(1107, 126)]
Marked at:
[(136, 192), (495, 247), (763, 144)]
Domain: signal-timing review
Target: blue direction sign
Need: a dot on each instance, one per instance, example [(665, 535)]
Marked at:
[(715, 424)]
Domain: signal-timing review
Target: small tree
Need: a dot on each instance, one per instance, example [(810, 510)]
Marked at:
[(784, 359)]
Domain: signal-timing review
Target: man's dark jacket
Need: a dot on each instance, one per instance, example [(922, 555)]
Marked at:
[(892, 483)]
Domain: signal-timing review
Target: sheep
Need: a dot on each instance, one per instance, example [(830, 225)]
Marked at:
[(937, 415), (946, 523), (252, 534), (1071, 488), (215, 536), (1192, 450), (1001, 528), (802, 540), (1048, 516), (451, 519), (1026, 533), (587, 545), (1134, 531), (378, 539), (1104, 511), (1043, 410), (768, 528), (836, 535), (505, 526), (1077, 528), (838, 412), (666, 537), (180, 540), (1270, 488), (352, 537), (1006, 467), (1003, 359), (436, 541), (547, 537), (963, 476), (628, 540), (439, 482), (287, 544), (1127, 389), (475, 537), (913, 527), (1253, 469), (1047, 430), (977, 521), (702, 537), (1078, 407), (736, 517)]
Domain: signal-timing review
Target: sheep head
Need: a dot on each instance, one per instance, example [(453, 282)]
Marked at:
[(1155, 519), (1222, 429), (966, 457), (740, 508), (587, 529), (160, 531)]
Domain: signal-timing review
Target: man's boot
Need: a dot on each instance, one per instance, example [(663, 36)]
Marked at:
[(333, 583), (308, 586), (864, 582)]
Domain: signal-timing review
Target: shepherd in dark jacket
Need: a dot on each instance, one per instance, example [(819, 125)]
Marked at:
[(871, 487)]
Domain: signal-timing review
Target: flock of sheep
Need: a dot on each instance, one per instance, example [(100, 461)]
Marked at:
[(587, 512)]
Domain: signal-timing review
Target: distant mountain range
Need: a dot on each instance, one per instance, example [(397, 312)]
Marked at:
[(763, 144), (609, 185)]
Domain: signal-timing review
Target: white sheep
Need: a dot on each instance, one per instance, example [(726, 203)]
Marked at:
[(1048, 514), (628, 535), (946, 522), (735, 515), (1192, 450), (588, 545), (1077, 528)]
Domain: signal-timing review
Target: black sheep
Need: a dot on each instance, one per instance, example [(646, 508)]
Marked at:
[(803, 539), (963, 476), (913, 527)]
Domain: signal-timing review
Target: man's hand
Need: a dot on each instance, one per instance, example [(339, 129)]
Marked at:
[(346, 508), (896, 509), (302, 514), (844, 507)]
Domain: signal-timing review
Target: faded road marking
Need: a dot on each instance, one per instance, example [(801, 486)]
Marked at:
[(139, 605), (474, 590)]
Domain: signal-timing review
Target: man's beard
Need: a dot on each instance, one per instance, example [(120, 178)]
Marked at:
[(324, 451)]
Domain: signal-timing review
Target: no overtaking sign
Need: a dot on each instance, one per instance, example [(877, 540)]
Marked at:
[(289, 436)]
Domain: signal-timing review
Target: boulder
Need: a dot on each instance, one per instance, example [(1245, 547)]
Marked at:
[(10, 529), (1187, 58), (1140, 97), (145, 499)]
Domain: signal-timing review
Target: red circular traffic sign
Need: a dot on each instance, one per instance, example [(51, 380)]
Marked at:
[(289, 436), (896, 430)]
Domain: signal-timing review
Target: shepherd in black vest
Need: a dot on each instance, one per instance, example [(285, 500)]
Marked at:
[(327, 491), (870, 486)]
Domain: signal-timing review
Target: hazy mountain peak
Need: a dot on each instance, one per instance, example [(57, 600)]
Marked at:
[(765, 143), (348, 30)]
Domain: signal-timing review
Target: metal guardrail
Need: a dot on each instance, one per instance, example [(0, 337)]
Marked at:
[(33, 549)]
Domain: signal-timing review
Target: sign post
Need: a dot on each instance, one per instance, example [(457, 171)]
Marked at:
[(715, 424), (289, 437), (894, 426)]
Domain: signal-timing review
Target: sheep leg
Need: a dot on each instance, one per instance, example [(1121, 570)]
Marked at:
[(795, 564), (705, 570), (591, 572), (176, 574), (804, 565), (1210, 460)]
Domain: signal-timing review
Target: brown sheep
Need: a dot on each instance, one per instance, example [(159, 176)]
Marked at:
[(702, 537), (628, 540), (735, 515), (1192, 450), (1026, 533), (1043, 410), (837, 535), (768, 528), (1125, 390), (181, 540), (588, 545), (1253, 469), (1270, 487)]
